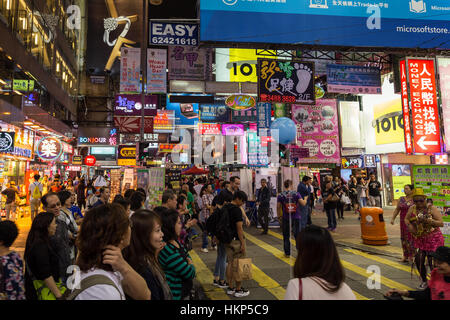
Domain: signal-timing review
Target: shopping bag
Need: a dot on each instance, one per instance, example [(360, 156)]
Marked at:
[(242, 269)]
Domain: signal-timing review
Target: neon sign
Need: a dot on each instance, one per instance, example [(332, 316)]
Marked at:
[(240, 102), (49, 149)]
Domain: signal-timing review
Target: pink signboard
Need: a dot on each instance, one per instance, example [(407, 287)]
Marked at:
[(444, 76), (318, 130), (233, 130)]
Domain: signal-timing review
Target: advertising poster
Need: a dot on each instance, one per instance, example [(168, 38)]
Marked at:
[(444, 79), (133, 124), (401, 176), (156, 186), (186, 114), (131, 105), (189, 63), (353, 79), (128, 179), (435, 181), (164, 122), (143, 177), (163, 33), (286, 81), (130, 68), (173, 176), (116, 178), (280, 110), (217, 112), (156, 71), (318, 130), (257, 154), (209, 128)]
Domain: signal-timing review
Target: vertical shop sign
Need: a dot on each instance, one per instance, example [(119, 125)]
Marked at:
[(130, 68), (156, 71), (156, 186), (257, 153), (128, 179), (425, 114), (405, 106), (444, 79), (263, 111)]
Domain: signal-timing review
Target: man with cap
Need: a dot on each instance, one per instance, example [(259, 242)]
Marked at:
[(439, 283), (10, 206)]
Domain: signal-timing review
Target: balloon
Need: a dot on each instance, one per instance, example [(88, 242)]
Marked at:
[(287, 130)]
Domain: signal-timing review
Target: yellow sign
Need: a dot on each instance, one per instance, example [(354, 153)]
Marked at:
[(399, 183), (388, 122), (126, 162)]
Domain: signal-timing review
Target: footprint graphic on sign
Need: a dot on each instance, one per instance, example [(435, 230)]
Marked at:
[(304, 75)]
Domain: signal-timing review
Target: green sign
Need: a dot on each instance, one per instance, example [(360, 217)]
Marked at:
[(435, 182), (23, 85)]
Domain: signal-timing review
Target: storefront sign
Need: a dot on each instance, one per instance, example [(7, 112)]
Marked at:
[(77, 160), (7, 142), (405, 108), (133, 124), (162, 33), (424, 107), (164, 121), (257, 153), (353, 79), (263, 111), (370, 161), (286, 81), (190, 63), (67, 148), (209, 128), (90, 160), (318, 130), (249, 115), (233, 130), (240, 102), (298, 153), (73, 168), (130, 105), (401, 176), (130, 68), (169, 148), (94, 140), (352, 162), (444, 80), (126, 156), (214, 112), (23, 85), (156, 71), (49, 149), (400, 24)]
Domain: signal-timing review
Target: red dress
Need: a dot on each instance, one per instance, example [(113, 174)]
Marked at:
[(431, 239), (405, 235)]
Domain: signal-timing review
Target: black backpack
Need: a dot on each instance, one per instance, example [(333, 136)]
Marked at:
[(224, 231), (213, 221)]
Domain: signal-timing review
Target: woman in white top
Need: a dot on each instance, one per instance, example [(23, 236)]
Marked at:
[(318, 271), (105, 232)]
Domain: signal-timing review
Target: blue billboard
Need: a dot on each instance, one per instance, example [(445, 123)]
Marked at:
[(186, 114), (362, 23)]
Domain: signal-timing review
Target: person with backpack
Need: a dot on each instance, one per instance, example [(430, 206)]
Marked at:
[(289, 202), (35, 191), (231, 233)]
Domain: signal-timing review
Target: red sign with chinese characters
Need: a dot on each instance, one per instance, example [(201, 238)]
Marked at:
[(209, 128), (90, 161), (424, 108), (405, 105)]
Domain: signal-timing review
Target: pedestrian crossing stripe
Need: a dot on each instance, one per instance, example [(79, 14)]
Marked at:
[(290, 261), (387, 248), (205, 277), (264, 281)]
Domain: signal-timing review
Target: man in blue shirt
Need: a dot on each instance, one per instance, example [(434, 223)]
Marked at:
[(305, 191)]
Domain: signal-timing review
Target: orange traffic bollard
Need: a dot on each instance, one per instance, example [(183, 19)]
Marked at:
[(373, 228)]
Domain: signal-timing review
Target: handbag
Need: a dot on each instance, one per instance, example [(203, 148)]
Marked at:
[(243, 269), (300, 289)]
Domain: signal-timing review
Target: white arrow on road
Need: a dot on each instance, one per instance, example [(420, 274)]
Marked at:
[(422, 143)]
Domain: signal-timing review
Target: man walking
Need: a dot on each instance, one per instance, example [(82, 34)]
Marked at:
[(263, 203), (305, 192), (35, 192), (374, 192), (10, 205)]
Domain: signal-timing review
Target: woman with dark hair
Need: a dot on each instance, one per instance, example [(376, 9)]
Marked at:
[(402, 207), (81, 194), (42, 275), (142, 254), (104, 234), (207, 198), (174, 258), (128, 193), (137, 202), (11, 264), (318, 272), (66, 217)]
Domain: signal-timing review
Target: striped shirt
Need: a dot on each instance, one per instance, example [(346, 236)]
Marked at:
[(176, 268)]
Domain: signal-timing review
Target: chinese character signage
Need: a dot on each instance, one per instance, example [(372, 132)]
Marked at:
[(23, 85), (164, 121), (318, 130), (405, 108), (353, 79), (130, 68), (126, 155), (49, 149), (257, 153), (7, 142), (296, 153), (233, 130), (404, 24), (162, 33), (264, 115), (170, 147), (189, 63), (370, 160), (217, 112), (209, 128), (156, 186), (77, 160), (131, 105), (249, 115), (156, 71), (133, 124), (73, 168), (286, 81), (424, 107), (444, 79)]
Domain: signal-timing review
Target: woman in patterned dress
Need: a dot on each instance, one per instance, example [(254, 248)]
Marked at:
[(402, 208), (424, 223)]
